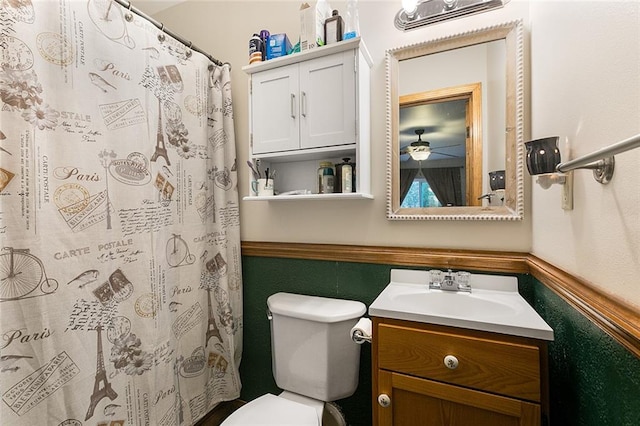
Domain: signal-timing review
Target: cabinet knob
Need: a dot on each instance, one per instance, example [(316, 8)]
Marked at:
[(451, 362), (384, 400)]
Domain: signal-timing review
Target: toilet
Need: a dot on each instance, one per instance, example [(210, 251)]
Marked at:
[(313, 360)]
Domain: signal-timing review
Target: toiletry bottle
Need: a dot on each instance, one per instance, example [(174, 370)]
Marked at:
[(344, 176), (323, 11), (256, 47), (333, 28), (351, 24), (325, 178), (264, 36)]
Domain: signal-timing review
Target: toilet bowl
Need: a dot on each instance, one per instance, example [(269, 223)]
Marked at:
[(314, 361)]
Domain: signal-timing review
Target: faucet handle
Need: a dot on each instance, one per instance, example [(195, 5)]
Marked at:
[(435, 276), (463, 278)]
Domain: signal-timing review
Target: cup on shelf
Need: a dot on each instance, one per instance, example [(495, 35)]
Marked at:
[(262, 187)]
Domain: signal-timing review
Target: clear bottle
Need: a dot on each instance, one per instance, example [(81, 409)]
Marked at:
[(323, 11), (325, 178), (351, 22)]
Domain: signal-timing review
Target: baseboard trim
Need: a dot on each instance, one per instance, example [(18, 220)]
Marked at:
[(614, 316)]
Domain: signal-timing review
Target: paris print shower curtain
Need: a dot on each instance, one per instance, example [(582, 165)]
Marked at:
[(120, 278)]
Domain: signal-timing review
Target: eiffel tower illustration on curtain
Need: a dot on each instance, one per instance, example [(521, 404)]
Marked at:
[(161, 150), (180, 414), (212, 328), (101, 377)]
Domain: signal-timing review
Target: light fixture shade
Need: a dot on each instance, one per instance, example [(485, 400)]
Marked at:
[(419, 152), (432, 11), (543, 155)]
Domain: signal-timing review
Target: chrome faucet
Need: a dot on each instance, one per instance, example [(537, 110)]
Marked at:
[(450, 281)]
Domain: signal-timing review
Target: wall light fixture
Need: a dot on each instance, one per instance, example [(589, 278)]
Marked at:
[(543, 161), (417, 13)]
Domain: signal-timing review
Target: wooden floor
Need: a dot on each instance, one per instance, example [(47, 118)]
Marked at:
[(216, 416)]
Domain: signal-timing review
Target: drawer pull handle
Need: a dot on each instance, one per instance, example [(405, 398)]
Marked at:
[(384, 400), (451, 362)]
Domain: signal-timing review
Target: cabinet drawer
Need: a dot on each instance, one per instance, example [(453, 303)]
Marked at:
[(505, 368)]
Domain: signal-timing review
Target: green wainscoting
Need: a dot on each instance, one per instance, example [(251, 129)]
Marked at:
[(593, 380)]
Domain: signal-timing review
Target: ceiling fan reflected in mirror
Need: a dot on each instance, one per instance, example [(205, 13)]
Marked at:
[(421, 150)]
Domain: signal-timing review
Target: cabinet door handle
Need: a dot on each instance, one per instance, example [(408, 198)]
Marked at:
[(451, 362), (304, 104), (384, 400), (293, 105)]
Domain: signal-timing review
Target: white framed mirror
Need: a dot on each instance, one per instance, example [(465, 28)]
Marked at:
[(455, 114)]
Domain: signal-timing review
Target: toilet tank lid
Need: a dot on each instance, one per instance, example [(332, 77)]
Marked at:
[(314, 308)]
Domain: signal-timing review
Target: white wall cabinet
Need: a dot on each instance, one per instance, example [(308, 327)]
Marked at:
[(305, 105), (311, 107)]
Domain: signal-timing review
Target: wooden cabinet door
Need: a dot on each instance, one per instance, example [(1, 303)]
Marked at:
[(328, 101), (275, 109), (421, 402)]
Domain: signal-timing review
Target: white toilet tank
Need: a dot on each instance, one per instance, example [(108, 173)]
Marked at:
[(312, 351)]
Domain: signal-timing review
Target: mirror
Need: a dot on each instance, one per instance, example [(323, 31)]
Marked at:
[(455, 115)]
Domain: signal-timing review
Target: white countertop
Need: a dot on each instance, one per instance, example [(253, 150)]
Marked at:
[(493, 305)]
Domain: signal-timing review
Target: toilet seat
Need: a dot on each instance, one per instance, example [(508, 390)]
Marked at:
[(270, 409)]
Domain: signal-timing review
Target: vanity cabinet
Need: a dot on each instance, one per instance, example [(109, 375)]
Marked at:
[(434, 375), (310, 107)]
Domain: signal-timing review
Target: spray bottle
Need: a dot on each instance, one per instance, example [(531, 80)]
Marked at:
[(351, 22)]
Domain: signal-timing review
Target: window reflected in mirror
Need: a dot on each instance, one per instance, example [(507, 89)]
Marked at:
[(419, 194)]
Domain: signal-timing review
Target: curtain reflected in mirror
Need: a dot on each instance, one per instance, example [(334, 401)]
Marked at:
[(435, 187)]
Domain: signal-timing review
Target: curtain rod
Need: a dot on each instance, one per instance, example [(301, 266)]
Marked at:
[(601, 154), (127, 5)]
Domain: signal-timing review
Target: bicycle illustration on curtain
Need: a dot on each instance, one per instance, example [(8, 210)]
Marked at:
[(21, 273)]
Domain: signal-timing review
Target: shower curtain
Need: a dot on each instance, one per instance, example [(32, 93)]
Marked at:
[(120, 277)]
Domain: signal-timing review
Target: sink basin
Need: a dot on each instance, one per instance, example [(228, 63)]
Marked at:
[(460, 305), (494, 304)]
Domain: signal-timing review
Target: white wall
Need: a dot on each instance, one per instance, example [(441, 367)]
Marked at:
[(584, 74), (585, 63)]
